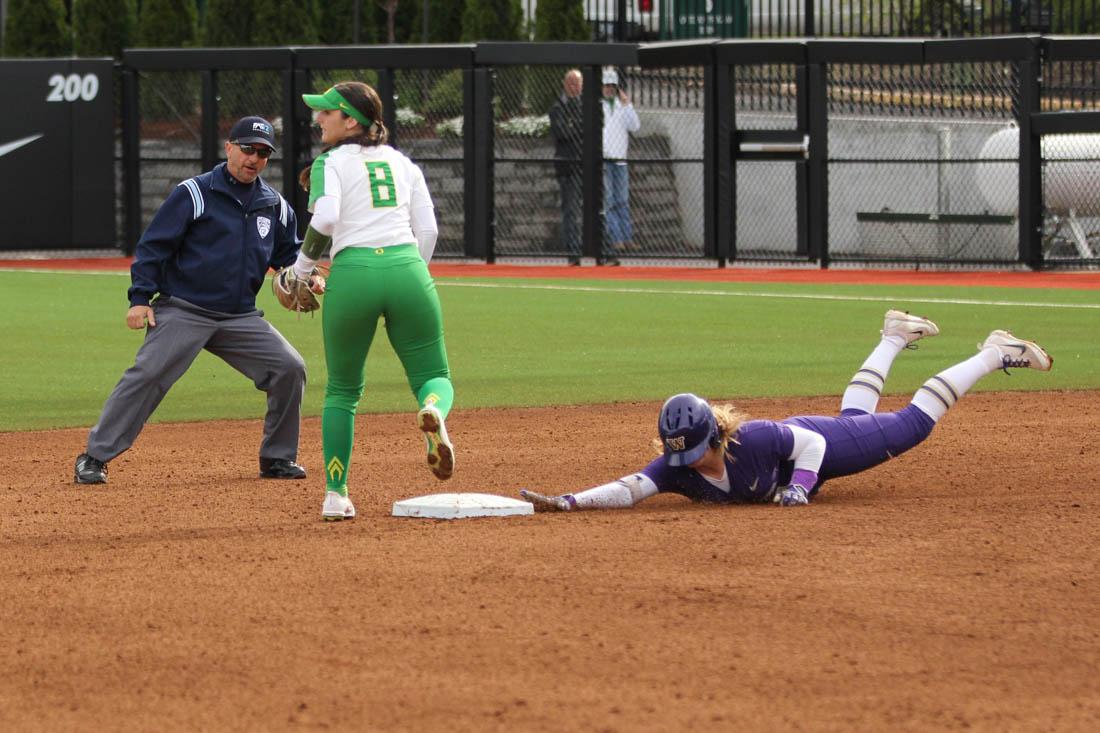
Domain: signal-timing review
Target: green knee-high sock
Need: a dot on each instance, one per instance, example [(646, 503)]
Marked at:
[(438, 391), (337, 434)]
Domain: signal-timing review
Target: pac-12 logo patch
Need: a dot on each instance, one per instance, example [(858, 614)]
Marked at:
[(676, 443), (263, 226)]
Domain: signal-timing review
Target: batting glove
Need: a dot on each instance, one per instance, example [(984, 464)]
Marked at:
[(544, 503), (794, 495)]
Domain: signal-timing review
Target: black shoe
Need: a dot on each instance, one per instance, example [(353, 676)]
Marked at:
[(280, 468), (574, 261), (611, 262), (89, 470)]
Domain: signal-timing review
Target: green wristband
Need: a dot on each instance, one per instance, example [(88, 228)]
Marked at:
[(316, 244)]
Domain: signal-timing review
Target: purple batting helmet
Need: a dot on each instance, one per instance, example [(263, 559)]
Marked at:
[(687, 428)]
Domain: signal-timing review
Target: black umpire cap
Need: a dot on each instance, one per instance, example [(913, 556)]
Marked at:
[(253, 130)]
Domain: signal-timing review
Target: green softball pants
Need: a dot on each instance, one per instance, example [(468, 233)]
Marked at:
[(364, 285)]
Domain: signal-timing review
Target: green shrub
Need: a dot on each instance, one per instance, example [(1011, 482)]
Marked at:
[(36, 28), (445, 101), (284, 23), (226, 24), (167, 23), (103, 27), (492, 20), (336, 22), (172, 96), (561, 20), (444, 21)]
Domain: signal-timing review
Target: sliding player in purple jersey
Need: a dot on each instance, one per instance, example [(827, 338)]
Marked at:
[(714, 454)]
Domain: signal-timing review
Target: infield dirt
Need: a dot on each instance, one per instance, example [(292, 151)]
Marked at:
[(954, 587)]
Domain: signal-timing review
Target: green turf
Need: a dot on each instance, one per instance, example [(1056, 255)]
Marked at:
[(534, 342)]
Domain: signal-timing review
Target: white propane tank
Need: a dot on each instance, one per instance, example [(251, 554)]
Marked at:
[(1071, 185)]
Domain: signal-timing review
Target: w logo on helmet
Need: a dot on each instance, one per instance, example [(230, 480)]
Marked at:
[(679, 443)]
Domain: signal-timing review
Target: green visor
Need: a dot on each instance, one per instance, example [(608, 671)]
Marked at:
[(332, 99)]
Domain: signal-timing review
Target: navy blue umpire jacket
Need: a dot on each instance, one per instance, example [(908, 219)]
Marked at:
[(203, 246)]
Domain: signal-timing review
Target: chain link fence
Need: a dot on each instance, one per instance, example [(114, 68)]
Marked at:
[(429, 128), (169, 135), (765, 98), (923, 159), (529, 203), (911, 174), (1071, 165), (538, 184)]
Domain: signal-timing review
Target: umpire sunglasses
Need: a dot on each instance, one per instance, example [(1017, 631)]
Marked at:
[(260, 150)]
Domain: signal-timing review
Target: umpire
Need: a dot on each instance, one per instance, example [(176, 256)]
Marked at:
[(194, 280)]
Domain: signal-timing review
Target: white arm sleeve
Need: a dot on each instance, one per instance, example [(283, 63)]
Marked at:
[(425, 230), (808, 451), (303, 266), (422, 218), (621, 494), (326, 212)]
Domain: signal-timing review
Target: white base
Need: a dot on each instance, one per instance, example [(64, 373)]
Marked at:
[(461, 506)]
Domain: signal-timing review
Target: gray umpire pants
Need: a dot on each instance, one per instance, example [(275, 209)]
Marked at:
[(245, 341)]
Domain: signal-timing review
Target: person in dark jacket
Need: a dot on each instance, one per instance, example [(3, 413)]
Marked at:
[(194, 280), (566, 129)]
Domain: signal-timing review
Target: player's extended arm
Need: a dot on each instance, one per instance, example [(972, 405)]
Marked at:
[(807, 453), (621, 494), (326, 212)]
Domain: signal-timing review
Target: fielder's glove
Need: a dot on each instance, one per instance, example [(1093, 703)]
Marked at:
[(293, 292), (794, 495), (543, 503)]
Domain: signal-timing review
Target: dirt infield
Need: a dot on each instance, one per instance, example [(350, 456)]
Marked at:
[(954, 588)]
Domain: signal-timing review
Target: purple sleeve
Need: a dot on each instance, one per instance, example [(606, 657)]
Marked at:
[(657, 472), (677, 480)]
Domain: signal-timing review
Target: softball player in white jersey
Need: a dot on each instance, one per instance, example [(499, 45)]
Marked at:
[(372, 211)]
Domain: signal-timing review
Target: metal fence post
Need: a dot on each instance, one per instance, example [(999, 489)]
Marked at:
[(1031, 166), (818, 168), (724, 164), (592, 163), (481, 244), (131, 159), (294, 82), (209, 122), (712, 165), (801, 167)]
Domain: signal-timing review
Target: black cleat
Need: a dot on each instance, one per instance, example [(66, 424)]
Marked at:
[(280, 468), (89, 470)]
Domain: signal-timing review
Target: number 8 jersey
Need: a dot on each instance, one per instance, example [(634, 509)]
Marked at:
[(374, 194)]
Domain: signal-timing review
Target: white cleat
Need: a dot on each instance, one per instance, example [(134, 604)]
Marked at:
[(1018, 353), (337, 507), (907, 326), (441, 453)]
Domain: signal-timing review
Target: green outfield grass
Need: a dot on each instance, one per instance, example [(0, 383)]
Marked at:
[(538, 342)]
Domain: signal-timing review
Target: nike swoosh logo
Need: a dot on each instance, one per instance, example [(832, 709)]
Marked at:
[(1021, 347), (16, 144)]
